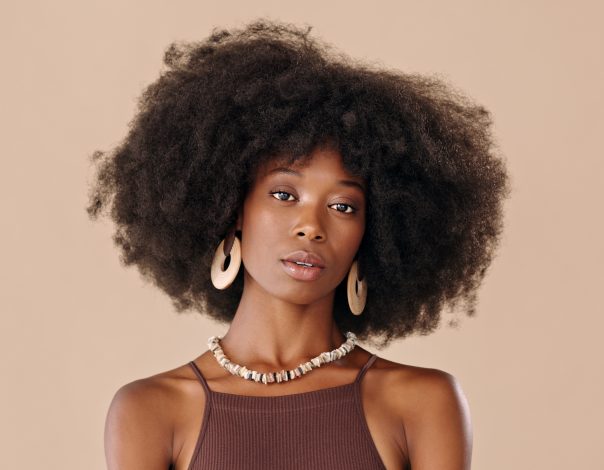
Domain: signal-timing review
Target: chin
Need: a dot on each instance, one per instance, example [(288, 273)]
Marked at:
[(301, 293)]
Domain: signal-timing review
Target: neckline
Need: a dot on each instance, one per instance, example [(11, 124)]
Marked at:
[(283, 397), (354, 385)]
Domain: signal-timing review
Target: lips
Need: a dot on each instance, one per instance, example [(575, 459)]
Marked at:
[(306, 257)]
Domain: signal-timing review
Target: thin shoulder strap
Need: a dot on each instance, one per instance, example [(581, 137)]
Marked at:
[(200, 377), (367, 365)]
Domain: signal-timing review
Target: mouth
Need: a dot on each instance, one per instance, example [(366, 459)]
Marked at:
[(302, 271)]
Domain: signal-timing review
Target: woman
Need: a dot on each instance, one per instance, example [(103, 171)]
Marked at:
[(310, 202)]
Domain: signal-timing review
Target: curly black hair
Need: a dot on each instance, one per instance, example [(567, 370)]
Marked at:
[(435, 180)]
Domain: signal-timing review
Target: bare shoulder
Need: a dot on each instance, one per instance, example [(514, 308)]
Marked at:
[(433, 411), (419, 385), (142, 418)]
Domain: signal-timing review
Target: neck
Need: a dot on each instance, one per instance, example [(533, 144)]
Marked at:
[(273, 334)]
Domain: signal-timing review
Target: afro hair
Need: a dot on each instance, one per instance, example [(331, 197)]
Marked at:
[(225, 105)]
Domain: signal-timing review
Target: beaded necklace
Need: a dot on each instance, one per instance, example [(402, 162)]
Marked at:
[(283, 375)]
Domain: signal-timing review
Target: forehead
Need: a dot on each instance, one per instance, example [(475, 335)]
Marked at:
[(323, 163)]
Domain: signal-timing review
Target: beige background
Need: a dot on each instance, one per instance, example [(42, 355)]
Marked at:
[(76, 325)]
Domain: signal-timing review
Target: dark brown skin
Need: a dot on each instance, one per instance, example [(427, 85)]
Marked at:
[(418, 417)]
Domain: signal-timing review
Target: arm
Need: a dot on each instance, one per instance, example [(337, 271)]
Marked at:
[(137, 436), (438, 426)]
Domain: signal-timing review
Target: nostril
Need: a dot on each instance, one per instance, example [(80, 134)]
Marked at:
[(316, 237)]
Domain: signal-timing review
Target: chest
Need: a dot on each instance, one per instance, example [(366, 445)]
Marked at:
[(341, 427)]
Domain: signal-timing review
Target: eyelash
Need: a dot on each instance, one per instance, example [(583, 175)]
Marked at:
[(335, 204)]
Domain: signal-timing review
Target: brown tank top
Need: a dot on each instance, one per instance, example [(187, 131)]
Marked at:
[(320, 429)]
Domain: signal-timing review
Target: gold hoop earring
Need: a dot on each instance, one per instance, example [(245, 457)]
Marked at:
[(357, 290), (221, 278)]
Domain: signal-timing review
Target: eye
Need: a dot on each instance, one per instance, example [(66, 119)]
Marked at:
[(353, 210), (339, 204), (280, 192)]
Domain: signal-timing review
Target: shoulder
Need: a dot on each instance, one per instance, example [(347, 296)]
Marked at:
[(142, 418), (419, 386), (433, 411), (423, 386)]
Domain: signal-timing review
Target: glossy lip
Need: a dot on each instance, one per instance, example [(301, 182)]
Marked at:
[(301, 273), (305, 257)]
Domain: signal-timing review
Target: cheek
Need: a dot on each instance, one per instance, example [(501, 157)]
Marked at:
[(259, 230), (258, 220), (349, 235)]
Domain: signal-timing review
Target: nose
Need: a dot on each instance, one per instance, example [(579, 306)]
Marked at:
[(309, 225)]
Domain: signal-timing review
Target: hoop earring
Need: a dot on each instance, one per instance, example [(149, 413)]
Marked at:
[(221, 278), (357, 290)]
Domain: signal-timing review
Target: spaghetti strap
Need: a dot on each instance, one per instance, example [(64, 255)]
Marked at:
[(200, 377), (367, 365)]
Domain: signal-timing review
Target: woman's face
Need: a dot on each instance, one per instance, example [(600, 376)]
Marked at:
[(319, 209)]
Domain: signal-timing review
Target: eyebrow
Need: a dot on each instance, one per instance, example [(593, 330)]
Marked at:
[(289, 171)]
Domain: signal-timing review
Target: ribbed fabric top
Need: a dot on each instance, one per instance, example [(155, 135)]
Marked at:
[(320, 429)]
